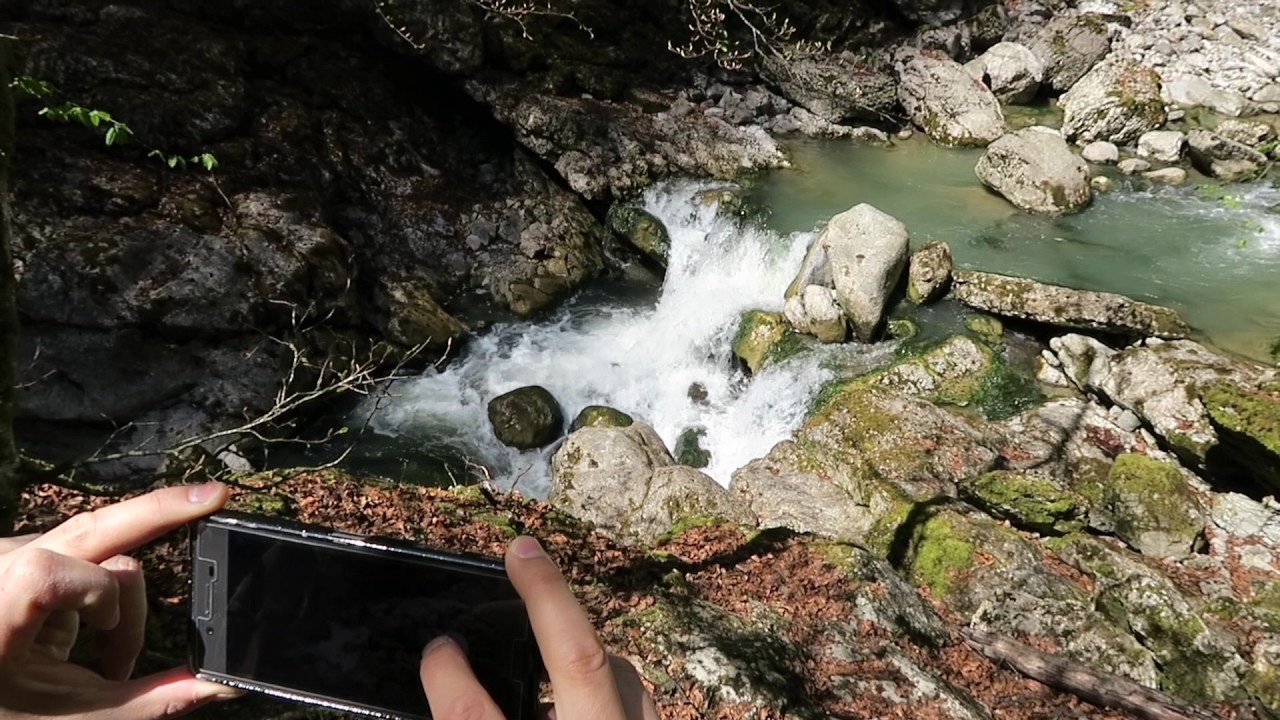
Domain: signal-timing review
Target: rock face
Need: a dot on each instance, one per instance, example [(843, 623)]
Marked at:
[(1069, 46), (526, 418), (1118, 101), (1163, 146), (1065, 307), (839, 89), (1011, 71), (862, 253), (625, 482), (942, 99), (1224, 159), (640, 228), (814, 311), (929, 272), (1035, 170)]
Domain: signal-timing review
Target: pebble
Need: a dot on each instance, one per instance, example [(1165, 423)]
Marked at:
[(1169, 175)]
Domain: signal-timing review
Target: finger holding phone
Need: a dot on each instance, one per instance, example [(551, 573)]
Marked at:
[(79, 572), (588, 683)]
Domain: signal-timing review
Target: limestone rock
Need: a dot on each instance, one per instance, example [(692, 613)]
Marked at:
[(759, 332), (1245, 132), (1027, 501), (1154, 510), (640, 228), (625, 482), (929, 272), (814, 311), (942, 99), (838, 89), (600, 416), (1164, 146), (413, 317), (1118, 101), (1035, 170), (1065, 307), (526, 418), (1133, 166), (1168, 176), (1224, 159), (1101, 152), (1069, 46), (1011, 71)]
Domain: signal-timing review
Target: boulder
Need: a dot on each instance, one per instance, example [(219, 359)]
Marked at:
[(1035, 170), (1153, 508), (1102, 184), (1191, 91), (1065, 307), (814, 311), (625, 482), (1163, 146), (600, 416), (640, 228), (758, 338), (688, 449), (1133, 166), (1011, 71), (1168, 176), (1101, 152), (838, 89), (1224, 159), (942, 99), (1118, 101), (929, 272), (413, 317), (861, 253), (1069, 46), (526, 418), (1245, 132)]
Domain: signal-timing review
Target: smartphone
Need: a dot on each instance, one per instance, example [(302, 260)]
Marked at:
[(339, 620)]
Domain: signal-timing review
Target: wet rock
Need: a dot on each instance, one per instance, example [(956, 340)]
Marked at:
[(814, 311), (1164, 146), (1224, 159), (929, 272), (1118, 101), (1069, 46), (640, 228), (1154, 509), (1064, 307), (1011, 71), (838, 89), (625, 482), (760, 333), (526, 418), (986, 327), (413, 317), (600, 416), (1168, 176), (1101, 152), (1036, 171), (901, 328), (958, 371), (861, 253), (942, 99), (1133, 166), (689, 451), (1245, 132), (1102, 184)]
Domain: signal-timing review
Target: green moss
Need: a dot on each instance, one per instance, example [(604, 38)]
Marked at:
[(689, 450), (501, 522), (1252, 413), (884, 531), (758, 332), (1004, 392), (1263, 684), (829, 392), (986, 327), (1028, 502), (939, 551), (267, 504), (1145, 494), (600, 416), (788, 346), (902, 328)]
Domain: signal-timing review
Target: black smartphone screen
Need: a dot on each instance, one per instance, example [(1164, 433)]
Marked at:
[(328, 621)]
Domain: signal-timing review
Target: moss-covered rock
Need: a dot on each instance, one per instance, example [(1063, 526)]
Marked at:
[(929, 272), (988, 328), (902, 328), (526, 418), (1029, 502), (1263, 680), (758, 332), (1248, 425), (1154, 509), (600, 416), (689, 451), (640, 228)]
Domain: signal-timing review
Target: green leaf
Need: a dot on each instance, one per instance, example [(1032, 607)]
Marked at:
[(112, 132), (208, 161), (173, 160)]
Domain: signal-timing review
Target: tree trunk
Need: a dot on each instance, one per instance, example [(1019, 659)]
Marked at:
[(8, 300)]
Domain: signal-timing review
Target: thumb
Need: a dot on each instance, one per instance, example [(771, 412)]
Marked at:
[(164, 695)]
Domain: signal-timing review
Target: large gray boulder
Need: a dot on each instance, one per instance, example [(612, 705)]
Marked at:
[(837, 89), (1246, 132), (1011, 70), (1036, 170), (1153, 507), (1065, 307), (946, 102), (526, 418), (1069, 46), (1117, 101), (1224, 159), (861, 253), (624, 481)]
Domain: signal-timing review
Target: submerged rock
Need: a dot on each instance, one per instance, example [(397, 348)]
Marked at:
[(1133, 166), (1069, 46), (1224, 159), (1065, 307), (688, 450), (814, 311), (1035, 170), (600, 416), (640, 228), (861, 253), (1118, 101), (929, 272), (1011, 71), (526, 418), (942, 99)]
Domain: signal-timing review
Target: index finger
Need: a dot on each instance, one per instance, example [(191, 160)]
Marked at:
[(116, 529)]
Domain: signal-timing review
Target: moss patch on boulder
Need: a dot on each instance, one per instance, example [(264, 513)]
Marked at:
[(758, 332), (1154, 509), (1028, 502), (600, 416)]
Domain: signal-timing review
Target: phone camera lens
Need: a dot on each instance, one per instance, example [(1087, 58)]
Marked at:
[(208, 631)]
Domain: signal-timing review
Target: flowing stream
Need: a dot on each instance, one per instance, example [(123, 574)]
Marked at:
[(1213, 253)]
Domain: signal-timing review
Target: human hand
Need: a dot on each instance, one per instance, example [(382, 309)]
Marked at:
[(589, 684), (76, 573)]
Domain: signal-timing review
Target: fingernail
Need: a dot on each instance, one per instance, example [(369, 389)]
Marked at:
[(228, 694), (526, 547), (202, 494), (437, 642)]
